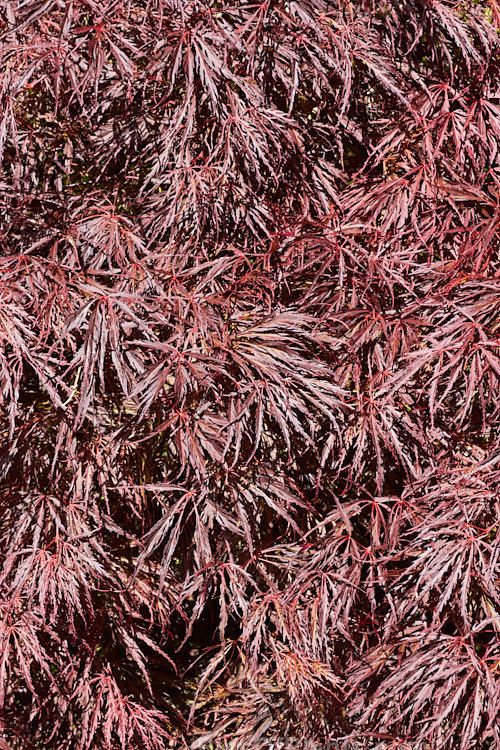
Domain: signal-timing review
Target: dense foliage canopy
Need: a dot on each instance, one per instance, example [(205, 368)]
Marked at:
[(249, 373)]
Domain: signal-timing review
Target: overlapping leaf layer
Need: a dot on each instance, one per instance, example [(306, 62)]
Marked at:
[(249, 374)]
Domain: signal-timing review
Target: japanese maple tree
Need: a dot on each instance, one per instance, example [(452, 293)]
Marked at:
[(249, 374)]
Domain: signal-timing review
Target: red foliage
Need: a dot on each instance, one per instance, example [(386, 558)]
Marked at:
[(249, 374)]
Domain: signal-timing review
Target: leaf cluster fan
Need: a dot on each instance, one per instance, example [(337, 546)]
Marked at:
[(249, 374)]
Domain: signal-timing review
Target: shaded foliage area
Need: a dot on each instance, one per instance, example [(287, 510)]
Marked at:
[(249, 373)]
